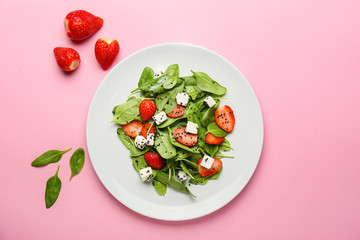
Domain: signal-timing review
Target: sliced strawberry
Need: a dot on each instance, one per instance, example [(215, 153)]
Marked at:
[(214, 168), (133, 128), (80, 24), (212, 139), (145, 130), (147, 108), (225, 118), (106, 50), (154, 160), (178, 111), (185, 138)]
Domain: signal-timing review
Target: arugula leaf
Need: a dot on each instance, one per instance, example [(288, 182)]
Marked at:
[(216, 130), (163, 145), (207, 84), (219, 155), (128, 111)]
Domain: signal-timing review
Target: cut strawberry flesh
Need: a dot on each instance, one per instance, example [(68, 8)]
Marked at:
[(133, 128), (185, 138)]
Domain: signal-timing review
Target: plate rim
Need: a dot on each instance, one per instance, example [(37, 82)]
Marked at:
[(245, 183)]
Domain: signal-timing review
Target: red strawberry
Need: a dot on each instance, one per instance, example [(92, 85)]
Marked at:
[(212, 139), (177, 112), (225, 118), (154, 160), (147, 108), (145, 130), (184, 137), (133, 128), (214, 168), (106, 50), (80, 24), (68, 59)]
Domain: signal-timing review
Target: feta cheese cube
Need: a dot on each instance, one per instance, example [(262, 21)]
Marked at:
[(210, 101), (207, 162), (191, 127), (145, 173), (150, 138), (140, 142), (158, 73), (160, 117), (182, 99), (182, 175)]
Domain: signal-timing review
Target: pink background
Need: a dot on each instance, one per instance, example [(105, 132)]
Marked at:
[(302, 59)]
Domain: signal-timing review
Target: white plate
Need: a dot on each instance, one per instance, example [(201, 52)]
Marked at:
[(111, 160)]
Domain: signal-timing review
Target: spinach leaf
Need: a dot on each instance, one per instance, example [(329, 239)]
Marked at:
[(191, 90), (225, 146), (163, 145), (160, 187), (51, 156), (128, 111), (211, 149), (164, 179), (140, 163), (129, 144), (77, 161), (172, 71), (207, 84), (52, 191), (195, 157), (208, 116), (198, 179), (194, 149), (170, 83), (184, 168), (216, 130), (170, 121), (167, 101), (146, 76), (181, 154), (219, 155)]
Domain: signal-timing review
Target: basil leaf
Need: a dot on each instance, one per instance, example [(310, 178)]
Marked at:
[(146, 76), (164, 179), (163, 145), (207, 84), (77, 162), (160, 187), (225, 146), (172, 71), (51, 156), (216, 130), (53, 187), (129, 144), (128, 111)]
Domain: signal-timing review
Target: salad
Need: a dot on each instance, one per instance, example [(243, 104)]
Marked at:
[(175, 129)]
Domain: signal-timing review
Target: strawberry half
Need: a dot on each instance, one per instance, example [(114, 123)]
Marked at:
[(133, 128), (209, 172), (154, 160), (178, 111), (185, 138), (212, 139), (225, 118), (106, 50), (147, 109), (68, 59), (80, 24), (145, 130)]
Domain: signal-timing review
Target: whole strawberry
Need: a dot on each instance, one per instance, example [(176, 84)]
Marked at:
[(68, 59), (106, 50), (147, 108), (80, 24), (154, 160)]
